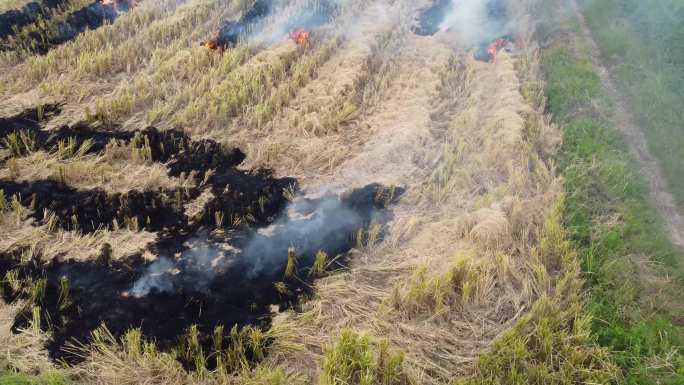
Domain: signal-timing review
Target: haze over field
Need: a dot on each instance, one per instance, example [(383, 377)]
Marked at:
[(392, 192)]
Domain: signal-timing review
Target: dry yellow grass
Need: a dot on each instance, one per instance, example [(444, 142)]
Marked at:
[(6, 5), (90, 172), (161, 75), (120, 168), (320, 127), (22, 42), (96, 61), (459, 264), (461, 261), (23, 351), (37, 68), (20, 234)]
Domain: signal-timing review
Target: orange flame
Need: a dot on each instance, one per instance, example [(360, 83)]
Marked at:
[(211, 44), (300, 36), (494, 48)]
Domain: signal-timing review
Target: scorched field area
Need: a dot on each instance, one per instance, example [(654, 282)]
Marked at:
[(311, 192)]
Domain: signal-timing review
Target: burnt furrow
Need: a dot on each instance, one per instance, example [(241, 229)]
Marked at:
[(231, 32), (254, 195), (174, 146), (29, 124), (224, 278), (39, 38), (491, 18), (431, 19), (92, 210), (243, 197), (15, 19), (253, 21), (250, 252)]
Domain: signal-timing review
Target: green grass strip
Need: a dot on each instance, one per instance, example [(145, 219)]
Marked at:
[(643, 44), (616, 230), (48, 378)]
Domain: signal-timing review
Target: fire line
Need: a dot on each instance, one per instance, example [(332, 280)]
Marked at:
[(300, 36)]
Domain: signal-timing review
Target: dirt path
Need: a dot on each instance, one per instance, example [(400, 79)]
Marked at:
[(636, 139)]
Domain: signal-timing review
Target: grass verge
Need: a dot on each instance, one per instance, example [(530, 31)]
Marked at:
[(642, 44), (552, 343), (625, 254), (627, 329), (48, 378), (358, 359)]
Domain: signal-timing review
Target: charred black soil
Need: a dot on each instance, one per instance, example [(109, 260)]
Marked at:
[(430, 20), (494, 24), (30, 123), (47, 35), (90, 210), (253, 19), (224, 278), (14, 19), (251, 195), (232, 31), (252, 250), (30, 118)]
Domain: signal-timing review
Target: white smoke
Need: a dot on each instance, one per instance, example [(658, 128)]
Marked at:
[(307, 225), (475, 22), (157, 277), (194, 269), (286, 16)]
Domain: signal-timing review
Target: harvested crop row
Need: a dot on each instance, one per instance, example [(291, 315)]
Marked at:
[(453, 272), (10, 5), (43, 35), (78, 54), (329, 108), (250, 85)]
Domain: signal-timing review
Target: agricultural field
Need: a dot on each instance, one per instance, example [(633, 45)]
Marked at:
[(334, 192)]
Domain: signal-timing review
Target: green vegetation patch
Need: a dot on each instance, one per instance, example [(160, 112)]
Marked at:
[(553, 343), (570, 86), (643, 42), (48, 378), (357, 358), (616, 230)]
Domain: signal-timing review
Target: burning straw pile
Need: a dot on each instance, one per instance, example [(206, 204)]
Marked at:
[(481, 25), (268, 21)]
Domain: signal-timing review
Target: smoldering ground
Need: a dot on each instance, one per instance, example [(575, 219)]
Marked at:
[(266, 22), (235, 274), (330, 224), (287, 16), (233, 277), (470, 22)]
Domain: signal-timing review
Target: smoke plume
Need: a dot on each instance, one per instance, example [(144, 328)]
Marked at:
[(194, 269), (328, 223), (470, 23), (476, 22), (308, 226), (158, 277), (266, 22), (286, 16)]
